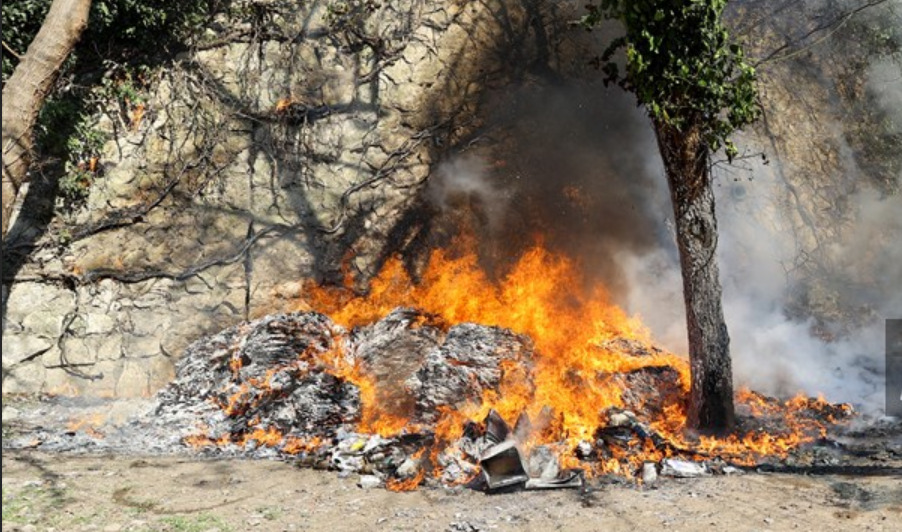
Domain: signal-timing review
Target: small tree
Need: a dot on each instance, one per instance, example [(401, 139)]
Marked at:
[(123, 32), (697, 89), (28, 87)]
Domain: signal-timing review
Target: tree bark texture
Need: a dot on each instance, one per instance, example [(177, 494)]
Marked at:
[(685, 157), (27, 88)]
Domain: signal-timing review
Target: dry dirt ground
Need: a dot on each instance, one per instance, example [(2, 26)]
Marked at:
[(120, 493)]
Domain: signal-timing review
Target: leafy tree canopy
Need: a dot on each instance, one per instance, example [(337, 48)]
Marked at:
[(131, 28), (681, 64)]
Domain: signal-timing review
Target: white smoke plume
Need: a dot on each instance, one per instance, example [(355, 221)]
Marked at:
[(584, 170), (774, 350), (780, 354), (465, 180)]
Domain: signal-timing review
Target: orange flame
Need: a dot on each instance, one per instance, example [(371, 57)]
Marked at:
[(136, 115), (235, 365), (295, 445), (582, 344), (270, 437), (283, 104), (373, 419), (406, 484), (544, 297), (88, 424), (572, 323)]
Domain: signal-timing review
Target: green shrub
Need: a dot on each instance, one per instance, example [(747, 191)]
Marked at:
[(136, 31)]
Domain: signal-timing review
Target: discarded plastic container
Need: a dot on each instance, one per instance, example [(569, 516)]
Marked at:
[(502, 466)]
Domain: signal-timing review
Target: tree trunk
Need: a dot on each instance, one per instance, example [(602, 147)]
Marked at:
[(686, 163), (27, 88)]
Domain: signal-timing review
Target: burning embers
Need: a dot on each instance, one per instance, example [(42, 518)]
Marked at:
[(402, 395)]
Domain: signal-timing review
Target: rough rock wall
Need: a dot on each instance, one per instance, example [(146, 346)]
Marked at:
[(834, 167), (293, 138)]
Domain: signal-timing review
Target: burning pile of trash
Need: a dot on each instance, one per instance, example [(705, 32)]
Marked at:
[(535, 380), (531, 380), (298, 384)]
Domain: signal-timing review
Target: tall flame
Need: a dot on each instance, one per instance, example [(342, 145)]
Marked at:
[(583, 343), (571, 321), (543, 296)]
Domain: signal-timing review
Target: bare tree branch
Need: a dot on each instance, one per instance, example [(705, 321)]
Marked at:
[(830, 27), (9, 49)]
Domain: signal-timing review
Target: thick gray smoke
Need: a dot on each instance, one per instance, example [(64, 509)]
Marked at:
[(565, 163), (776, 350), (465, 180), (579, 164), (783, 354), (885, 83)]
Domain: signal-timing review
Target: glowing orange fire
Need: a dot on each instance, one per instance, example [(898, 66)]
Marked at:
[(405, 484), (283, 104), (295, 445), (90, 425), (573, 325), (136, 115), (544, 297), (571, 321)]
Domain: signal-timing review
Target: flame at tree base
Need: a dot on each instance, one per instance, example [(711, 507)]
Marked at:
[(582, 344), (543, 297)]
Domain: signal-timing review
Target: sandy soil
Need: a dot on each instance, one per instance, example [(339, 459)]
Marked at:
[(117, 493)]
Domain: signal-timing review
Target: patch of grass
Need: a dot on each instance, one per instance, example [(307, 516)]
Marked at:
[(138, 506), (138, 510), (8, 431), (32, 504), (15, 507), (270, 513), (44, 504), (193, 523), (88, 519)]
